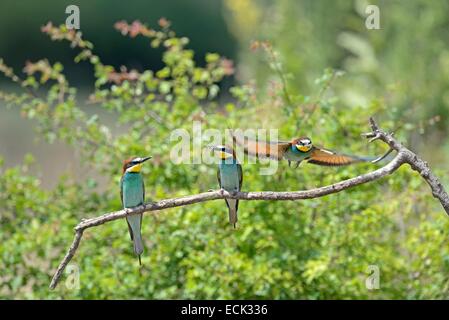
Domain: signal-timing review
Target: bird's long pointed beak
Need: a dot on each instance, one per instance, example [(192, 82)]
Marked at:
[(145, 159)]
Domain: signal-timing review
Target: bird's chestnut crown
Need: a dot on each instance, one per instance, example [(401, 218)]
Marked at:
[(134, 164)]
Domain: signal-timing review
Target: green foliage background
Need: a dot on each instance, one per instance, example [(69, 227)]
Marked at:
[(312, 249)]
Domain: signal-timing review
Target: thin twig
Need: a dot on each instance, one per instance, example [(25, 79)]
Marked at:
[(321, 93), (278, 69)]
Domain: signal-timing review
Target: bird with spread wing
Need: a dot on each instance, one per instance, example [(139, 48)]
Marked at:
[(297, 150)]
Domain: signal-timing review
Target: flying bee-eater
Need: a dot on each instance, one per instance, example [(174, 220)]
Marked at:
[(132, 194), (230, 178), (297, 150)]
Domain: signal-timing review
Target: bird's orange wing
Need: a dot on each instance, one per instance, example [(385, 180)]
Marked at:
[(325, 157), (260, 148)]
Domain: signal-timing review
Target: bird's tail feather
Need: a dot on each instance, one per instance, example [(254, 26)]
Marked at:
[(134, 222), (232, 211), (386, 155), (138, 244)]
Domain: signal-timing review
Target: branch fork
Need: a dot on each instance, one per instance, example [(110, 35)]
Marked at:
[(403, 156)]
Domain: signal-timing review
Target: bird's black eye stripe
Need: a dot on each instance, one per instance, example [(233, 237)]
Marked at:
[(223, 149)]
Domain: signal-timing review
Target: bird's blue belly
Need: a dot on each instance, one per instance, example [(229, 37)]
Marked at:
[(133, 193), (229, 175)]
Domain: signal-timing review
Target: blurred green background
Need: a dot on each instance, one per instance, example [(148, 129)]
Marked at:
[(303, 67), (202, 21)]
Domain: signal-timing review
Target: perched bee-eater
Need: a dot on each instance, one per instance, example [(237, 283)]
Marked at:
[(132, 194), (230, 178), (297, 150)]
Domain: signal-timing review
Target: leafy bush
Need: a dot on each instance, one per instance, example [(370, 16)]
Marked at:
[(312, 249)]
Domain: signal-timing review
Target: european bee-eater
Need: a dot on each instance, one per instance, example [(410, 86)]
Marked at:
[(230, 178), (132, 194), (297, 150)]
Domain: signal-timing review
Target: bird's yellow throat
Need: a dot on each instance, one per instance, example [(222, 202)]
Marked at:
[(303, 148), (224, 155), (135, 168)]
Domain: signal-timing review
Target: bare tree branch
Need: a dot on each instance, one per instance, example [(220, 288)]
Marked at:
[(403, 156)]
